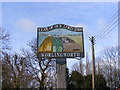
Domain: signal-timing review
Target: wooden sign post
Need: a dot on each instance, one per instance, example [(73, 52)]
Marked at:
[(61, 73)]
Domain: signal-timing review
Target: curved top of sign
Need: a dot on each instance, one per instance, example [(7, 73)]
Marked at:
[(49, 28)]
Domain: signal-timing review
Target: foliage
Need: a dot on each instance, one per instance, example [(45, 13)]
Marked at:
[(77, 80), (88, 81), (100, 81)]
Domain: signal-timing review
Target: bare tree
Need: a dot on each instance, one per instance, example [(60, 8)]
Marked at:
[(108, 66), (15, 73), (4, 40), (79, 67), (88, 65), (99, 65), (0, 73), (40, 68)]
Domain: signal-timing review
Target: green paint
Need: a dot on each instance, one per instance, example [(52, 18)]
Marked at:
[(57, 44)]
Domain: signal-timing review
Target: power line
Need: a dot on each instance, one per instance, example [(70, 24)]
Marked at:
[(101, 34), (107, 33), (107, 29), (109, 22), (104, 27)]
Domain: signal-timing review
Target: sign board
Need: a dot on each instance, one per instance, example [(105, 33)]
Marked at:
[(60, 41)]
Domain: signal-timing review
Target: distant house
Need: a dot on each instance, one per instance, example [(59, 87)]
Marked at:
[(70, 45)]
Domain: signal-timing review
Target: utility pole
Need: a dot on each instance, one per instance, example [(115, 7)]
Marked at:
[(92, 39)]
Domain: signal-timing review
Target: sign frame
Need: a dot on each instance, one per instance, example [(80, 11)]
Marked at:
[(60, 54)]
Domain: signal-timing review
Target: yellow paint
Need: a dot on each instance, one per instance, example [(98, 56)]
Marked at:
[(46, 45)]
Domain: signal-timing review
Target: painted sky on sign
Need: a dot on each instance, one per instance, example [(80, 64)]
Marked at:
[(76, 36), (60, 32), (56, 32), (21, 19)]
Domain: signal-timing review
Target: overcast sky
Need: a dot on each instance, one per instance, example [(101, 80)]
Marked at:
[(23, 18)]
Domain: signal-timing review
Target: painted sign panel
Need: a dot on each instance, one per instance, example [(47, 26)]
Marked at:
[(60, 41)]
